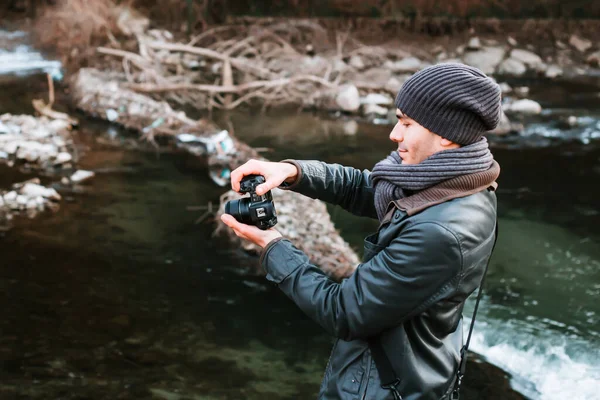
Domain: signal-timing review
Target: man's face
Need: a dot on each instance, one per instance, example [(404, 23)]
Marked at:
[(415, 143)]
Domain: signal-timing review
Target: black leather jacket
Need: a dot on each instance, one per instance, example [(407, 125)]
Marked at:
[(427, 256)]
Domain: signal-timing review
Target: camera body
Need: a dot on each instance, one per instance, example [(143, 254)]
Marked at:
[(254, 210)]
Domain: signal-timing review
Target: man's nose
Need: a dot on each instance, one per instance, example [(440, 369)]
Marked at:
[(396, 134)]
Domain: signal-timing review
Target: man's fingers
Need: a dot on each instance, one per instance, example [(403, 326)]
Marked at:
[(230, 221), (237, 174), (265, 187)]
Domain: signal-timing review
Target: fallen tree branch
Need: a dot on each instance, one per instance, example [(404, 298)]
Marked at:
[(240, 64)]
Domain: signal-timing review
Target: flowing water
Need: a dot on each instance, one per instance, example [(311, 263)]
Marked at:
[(121, 295)]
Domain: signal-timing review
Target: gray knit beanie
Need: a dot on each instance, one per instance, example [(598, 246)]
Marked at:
[(453, 100)]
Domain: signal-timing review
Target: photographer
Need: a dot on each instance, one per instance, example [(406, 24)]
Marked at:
[(399, 315)]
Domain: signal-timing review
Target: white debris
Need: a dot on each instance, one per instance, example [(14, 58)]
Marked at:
[(62, 158), (82, 176), (34, 190)]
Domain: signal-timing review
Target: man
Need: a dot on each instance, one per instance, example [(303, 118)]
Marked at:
[(435, 200)]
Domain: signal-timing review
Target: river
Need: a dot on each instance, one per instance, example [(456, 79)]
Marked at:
[(121, 292)]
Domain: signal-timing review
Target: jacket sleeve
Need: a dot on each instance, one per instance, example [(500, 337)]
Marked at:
[(420, 267), (347, 187)]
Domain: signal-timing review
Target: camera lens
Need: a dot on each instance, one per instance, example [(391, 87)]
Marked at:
[(239, 210)]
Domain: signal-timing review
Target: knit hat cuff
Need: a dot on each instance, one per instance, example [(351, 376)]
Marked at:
[(460, 126)]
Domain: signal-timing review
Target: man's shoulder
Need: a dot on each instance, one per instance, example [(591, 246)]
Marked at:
[(472, 216)]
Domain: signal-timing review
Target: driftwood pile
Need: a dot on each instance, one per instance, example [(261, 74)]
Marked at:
[(228, 66)]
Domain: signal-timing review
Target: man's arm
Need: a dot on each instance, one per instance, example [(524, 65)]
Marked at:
[(347, 187), (399, 282)]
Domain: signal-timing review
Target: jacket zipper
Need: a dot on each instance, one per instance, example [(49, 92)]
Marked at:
[(364, 395)]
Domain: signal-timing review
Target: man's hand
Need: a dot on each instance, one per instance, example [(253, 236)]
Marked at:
[(252, 233), (274, 172)]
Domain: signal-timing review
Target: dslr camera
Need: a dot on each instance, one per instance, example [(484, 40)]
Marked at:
[(254, 210)]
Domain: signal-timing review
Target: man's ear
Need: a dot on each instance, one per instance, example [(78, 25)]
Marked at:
[(448, 143)]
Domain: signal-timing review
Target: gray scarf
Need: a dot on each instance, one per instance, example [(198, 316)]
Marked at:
[(391, 179)]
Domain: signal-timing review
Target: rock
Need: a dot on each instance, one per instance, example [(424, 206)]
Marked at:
[(527, 57), (31, 204), (408, 64), (10, 196), (81, 176), (486, 59), (216, 68), (560, 45), (512, 66), (339, 65), (377, 98), (22, 201), (541, 68), (356, 62), (523, 106), (437, 49), (505, 88), (40, 202), (375, 110), (581, 44), (33, 190), (474, 44), (553, 71), (374, 76), (394, 84), (503, 127), (4, 129), (62, 158), (594, 59), (112, 115), (350, 127), (58, 125), (442, 56), (511, 41)]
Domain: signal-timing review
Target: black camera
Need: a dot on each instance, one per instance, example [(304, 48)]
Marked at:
[(254, 210)]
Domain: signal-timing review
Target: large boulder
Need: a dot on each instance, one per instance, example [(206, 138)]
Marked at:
[(512, 66), (529, 58), (348, 98), (487, 59), (523, 106)]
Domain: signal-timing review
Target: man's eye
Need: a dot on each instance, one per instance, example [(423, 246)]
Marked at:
[(406, 125)]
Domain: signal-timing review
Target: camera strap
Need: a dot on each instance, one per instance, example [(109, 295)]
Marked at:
[(387, 375)]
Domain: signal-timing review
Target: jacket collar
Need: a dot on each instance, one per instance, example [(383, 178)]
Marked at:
[(460, 186)]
